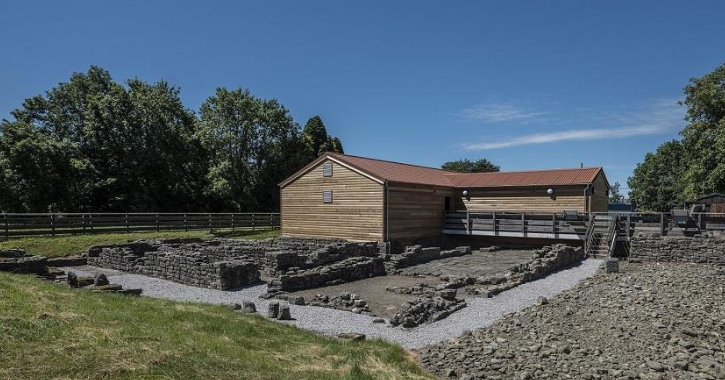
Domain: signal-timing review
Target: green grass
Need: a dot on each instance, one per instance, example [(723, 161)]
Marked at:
[(49, 331), (69, 245)]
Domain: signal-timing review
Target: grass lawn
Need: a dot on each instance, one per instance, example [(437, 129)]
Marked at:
[(48, 331), (69, 245)]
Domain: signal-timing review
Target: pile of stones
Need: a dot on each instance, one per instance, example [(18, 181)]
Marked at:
[(427, 309), (416, 254), (98, 283), (345, 301), (649, 321), (18, 261)]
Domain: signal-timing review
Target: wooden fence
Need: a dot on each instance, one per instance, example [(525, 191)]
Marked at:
[(14, 225)]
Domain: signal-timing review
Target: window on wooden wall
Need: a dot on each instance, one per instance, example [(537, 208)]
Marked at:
[(327, 169), (327, 196)]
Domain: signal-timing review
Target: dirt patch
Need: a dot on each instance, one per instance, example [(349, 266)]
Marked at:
[(373, 291), (379, 299), (480, 263)]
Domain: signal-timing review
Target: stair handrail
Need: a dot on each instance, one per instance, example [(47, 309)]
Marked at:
[(613, 233), (589, 236)]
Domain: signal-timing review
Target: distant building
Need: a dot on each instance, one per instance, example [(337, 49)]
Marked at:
[(707, 203)]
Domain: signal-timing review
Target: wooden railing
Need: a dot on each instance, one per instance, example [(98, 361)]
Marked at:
[(13, 225), (589, 237), (515, 225), (555, 226)]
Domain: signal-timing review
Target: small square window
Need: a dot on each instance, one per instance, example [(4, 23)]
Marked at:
[(327, 169), (327, 196)]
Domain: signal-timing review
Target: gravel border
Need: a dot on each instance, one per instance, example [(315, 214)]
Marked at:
[(481, 312)]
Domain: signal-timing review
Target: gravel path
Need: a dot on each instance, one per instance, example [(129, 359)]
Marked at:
[(481, 312)]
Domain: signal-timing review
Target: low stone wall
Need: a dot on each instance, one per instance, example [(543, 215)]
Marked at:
[(228, 263), (182, 266), (350, 269), (543, 262), (17, 261), (416, 254), (695, 249)]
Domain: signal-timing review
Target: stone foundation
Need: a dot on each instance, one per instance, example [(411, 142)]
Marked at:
[(694, 249), (17, 261), (226, 263), (350, 269), (416, 254)]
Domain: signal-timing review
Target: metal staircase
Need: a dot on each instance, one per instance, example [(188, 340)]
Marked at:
[(604, 233)]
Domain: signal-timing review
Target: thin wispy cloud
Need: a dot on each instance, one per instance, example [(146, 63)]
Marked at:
[(498, 112), (658, 117)]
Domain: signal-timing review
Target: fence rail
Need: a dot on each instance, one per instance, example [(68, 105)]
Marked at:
[(557, 226), (27, 224)]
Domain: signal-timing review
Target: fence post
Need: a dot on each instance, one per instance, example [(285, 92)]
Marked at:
[(83, 220), (271, 221), (662, 223), (7, 234), (553, 224), (157, 223), (232, 214), (629, 225), (252, 221), (699, 221), (186, 226), (468, 222), (211, 230), (523, 224), (90, 220), (493, 223), (125, 218)]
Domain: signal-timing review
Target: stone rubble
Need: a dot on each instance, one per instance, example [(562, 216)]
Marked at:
[(345, 301), (649, 321), (427, 308)]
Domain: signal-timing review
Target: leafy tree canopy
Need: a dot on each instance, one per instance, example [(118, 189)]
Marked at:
[(93, 144), (656, 184), (681, 170), (467, 166)]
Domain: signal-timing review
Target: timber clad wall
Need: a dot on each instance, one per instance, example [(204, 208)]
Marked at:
[(524, 199), (415, 211), (599, 201), (356, 211)]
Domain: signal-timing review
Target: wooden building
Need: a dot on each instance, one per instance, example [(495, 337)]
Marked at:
[(364, 199)]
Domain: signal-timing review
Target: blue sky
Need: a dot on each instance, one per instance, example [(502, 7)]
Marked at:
[(528, 85)]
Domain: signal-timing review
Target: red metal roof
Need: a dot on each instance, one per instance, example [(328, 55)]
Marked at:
[(406, 173), (555, 177)]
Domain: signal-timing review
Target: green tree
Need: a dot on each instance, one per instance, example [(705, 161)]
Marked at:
[(317, 141), (704, 137), (614, 194), (656, 184), (128, 148), (252, 145), (337, 145), (315, 137), (467, 166)]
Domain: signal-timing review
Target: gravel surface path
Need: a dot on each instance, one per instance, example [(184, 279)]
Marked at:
[(481, 312)]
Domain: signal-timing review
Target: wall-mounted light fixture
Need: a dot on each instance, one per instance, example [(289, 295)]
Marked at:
[(465, 193), (550, 191)]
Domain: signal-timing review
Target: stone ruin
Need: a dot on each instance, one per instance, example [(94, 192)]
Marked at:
[(18, 261), (227, 264)]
